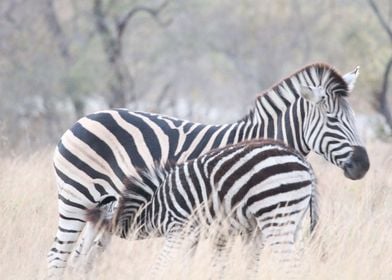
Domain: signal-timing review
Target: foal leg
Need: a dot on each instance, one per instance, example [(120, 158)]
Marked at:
[(253, 245), (173, 241), (280, 236), (220, 258)]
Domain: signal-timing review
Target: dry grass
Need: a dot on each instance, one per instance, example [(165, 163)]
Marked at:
[(355, 231)]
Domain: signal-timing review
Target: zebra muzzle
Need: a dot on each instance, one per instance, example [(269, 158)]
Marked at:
[(358, 164)]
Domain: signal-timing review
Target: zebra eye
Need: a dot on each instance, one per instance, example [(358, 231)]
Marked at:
[(321, 101)]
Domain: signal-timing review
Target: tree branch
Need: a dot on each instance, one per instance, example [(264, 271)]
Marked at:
[(8, 13), (154, 13), (9, 16), (380, 18)]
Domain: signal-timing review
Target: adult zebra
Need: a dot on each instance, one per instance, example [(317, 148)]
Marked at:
[(258, 188), (308, 111)]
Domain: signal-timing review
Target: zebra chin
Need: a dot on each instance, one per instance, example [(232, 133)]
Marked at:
[(358, 164)]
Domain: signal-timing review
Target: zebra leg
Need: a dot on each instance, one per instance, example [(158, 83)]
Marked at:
[(254, 246), (80, 260), (221, 252), (97, 234), (69, 229), (280, 237), (73, 214), (192, 233), (173, 241), (191, 240), (283, 250), (97, 247)]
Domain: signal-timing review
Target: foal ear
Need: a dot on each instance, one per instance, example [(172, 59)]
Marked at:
[(351, 77), (312, 94)]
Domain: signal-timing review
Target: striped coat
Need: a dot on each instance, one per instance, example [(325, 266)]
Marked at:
[(307, 110)]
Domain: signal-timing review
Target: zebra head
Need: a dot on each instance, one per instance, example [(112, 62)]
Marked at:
[(329, 126)]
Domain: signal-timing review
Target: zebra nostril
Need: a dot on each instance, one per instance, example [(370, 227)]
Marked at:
[(348, 165)]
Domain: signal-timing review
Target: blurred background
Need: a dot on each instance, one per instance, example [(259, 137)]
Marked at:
[(200, 60)]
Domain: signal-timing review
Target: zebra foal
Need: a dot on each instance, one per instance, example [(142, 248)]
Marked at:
[(261, 187)]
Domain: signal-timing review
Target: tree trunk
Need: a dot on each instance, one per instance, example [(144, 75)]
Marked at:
[(383, 104), (382, 99), (121, 81)]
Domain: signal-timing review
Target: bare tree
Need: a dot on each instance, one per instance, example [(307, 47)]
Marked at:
[(382, 98), (57, 31), (121, 82)]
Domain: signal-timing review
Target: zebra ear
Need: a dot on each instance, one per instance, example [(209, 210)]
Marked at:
[(351, 77), (312, 94)]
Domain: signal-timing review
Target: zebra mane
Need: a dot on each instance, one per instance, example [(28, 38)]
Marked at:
[(335, 79), (322, 73)]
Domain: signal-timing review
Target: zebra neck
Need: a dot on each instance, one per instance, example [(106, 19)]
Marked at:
[(132, 222), (278, 115)]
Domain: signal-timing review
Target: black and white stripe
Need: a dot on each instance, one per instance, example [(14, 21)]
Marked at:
[(260, 187), (308, 111)]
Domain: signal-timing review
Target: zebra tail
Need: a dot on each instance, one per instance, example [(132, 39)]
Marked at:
[(99, 218), (94, 215), (135, 198), (150, 179)]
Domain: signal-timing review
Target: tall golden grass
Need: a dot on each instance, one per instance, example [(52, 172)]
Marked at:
[(354, 242)]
